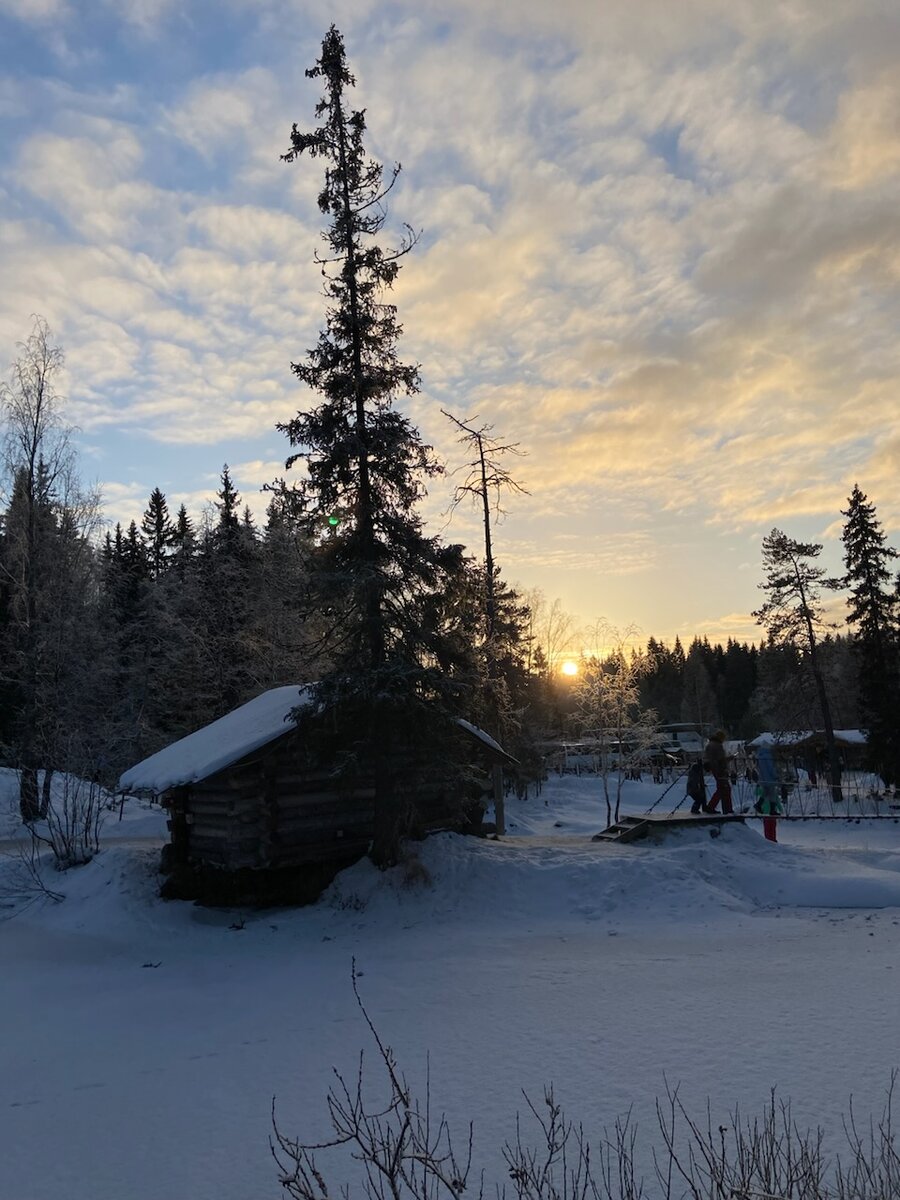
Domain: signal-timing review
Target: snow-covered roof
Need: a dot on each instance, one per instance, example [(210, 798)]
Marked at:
[(851, 737), (218, 745), (484, 737), (843, 737), (239, 732)]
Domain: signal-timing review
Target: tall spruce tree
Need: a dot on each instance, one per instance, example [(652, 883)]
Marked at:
[(184, 543), (158, 531), (699, 702), (872, 617), (366, 469), (229, 589), (792, 616)]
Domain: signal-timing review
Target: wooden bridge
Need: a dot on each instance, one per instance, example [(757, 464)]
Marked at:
[(631, 828)]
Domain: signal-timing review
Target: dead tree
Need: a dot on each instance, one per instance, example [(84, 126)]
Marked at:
[(485, 481)]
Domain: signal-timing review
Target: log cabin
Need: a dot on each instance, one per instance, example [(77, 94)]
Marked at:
[(253, 816)]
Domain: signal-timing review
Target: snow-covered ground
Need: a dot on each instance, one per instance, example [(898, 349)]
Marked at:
[(143, 1040)]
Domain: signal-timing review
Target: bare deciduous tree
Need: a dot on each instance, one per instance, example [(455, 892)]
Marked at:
[(485, 480), (552, 630), (610, 710), (46, 563)]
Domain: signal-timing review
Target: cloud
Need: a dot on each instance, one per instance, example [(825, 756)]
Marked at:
[(38, 12), (740, 626), (863, 146), (215, 113), (145, 15)]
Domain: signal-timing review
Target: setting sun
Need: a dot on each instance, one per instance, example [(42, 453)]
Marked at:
[(569, 667)]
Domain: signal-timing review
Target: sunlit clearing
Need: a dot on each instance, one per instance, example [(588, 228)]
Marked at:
[(569, 668)]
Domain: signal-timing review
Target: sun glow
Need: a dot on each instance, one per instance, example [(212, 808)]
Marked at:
[(569, 667)]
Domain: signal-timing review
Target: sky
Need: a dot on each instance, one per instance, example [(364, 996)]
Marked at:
[(660, 249)]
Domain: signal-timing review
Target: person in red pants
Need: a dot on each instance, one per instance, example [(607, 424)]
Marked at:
[(769, 807), (767, 804), (717, 764)]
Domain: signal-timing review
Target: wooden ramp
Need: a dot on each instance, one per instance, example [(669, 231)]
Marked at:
[(630, 829)]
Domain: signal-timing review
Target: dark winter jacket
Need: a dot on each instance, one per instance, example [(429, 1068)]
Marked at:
[(695, 786), (716, 759)]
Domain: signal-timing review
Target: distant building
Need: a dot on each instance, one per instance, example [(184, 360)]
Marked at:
[(807, 748)]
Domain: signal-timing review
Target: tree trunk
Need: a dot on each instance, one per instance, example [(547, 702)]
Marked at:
[(385, 850), (491, 602), (372, 608), (28, 795), (45, 792), (834, 761)]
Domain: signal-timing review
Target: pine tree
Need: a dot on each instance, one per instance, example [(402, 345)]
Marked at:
[(873, 617), (227, 593), (228, 502), (287, 637), (661, 684), (738, 684), (366, 469), (158, 531), (792, 615), (184, 543), (699, 703)]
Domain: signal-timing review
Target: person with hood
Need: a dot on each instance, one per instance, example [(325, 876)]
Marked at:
[(767, 803), (696, 787), (717, 764)]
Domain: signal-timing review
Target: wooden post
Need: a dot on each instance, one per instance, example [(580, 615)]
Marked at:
[(499, 813)]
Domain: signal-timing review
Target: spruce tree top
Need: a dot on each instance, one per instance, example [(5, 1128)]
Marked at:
[(355, 359), (366, 463)]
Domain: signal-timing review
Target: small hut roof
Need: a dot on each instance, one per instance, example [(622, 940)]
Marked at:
[(807, 737), (218, 745), (230, 738), (485, 738)]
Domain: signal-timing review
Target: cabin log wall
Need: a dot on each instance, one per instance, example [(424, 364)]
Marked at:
[(272, 810)]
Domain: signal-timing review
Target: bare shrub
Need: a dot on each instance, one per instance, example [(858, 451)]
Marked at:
[(74, 817), (26, 879), (404, 1149), (407, 1153)]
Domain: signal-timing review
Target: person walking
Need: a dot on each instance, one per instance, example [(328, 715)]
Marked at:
[(767, 804), (717, 764), (696, 787)]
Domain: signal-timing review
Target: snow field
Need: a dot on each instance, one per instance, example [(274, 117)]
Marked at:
[(143, 1040)]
